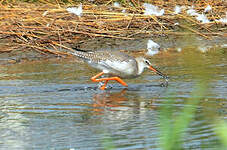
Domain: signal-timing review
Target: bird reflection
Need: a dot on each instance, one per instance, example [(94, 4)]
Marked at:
[(109, 99), (120, 101)]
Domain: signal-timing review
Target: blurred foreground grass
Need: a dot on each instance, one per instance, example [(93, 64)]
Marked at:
[(174, 128)]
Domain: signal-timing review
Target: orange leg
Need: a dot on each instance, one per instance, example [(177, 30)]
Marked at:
[(94, 79), (103, 87)]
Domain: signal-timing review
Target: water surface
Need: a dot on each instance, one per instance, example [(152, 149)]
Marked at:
[(54, 105)]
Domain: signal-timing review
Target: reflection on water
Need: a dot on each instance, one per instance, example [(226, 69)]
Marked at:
[(109, 100), (53, 105)]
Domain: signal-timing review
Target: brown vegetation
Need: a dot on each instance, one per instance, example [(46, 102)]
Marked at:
[(48, 28)]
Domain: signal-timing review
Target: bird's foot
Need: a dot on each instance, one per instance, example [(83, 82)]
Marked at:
[(102, 88), (102, 85)]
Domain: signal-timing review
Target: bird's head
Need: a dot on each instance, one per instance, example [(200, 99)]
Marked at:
[(144, 63)]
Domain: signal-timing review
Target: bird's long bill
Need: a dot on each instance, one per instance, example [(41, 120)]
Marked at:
[(158, 72)]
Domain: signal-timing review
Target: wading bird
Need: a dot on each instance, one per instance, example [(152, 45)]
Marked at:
[(116, 64)]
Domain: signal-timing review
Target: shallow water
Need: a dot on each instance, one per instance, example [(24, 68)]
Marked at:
[(53, 104)]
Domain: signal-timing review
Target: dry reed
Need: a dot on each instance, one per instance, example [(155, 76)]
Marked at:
[(49, 28)]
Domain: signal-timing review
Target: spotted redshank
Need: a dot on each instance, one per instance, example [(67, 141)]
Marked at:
[(116, 64)]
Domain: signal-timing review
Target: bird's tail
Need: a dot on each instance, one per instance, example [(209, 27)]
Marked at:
[(84, 54), (80, 50)]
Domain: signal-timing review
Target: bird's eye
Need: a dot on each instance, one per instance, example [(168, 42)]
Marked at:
[(147, 62)]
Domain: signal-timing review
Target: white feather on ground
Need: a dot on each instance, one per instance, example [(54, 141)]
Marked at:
[(177, 9), (76, 10), (208, 8), (153, 10), (152, 48)]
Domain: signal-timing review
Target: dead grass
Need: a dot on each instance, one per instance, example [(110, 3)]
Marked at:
[(48, 28)]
